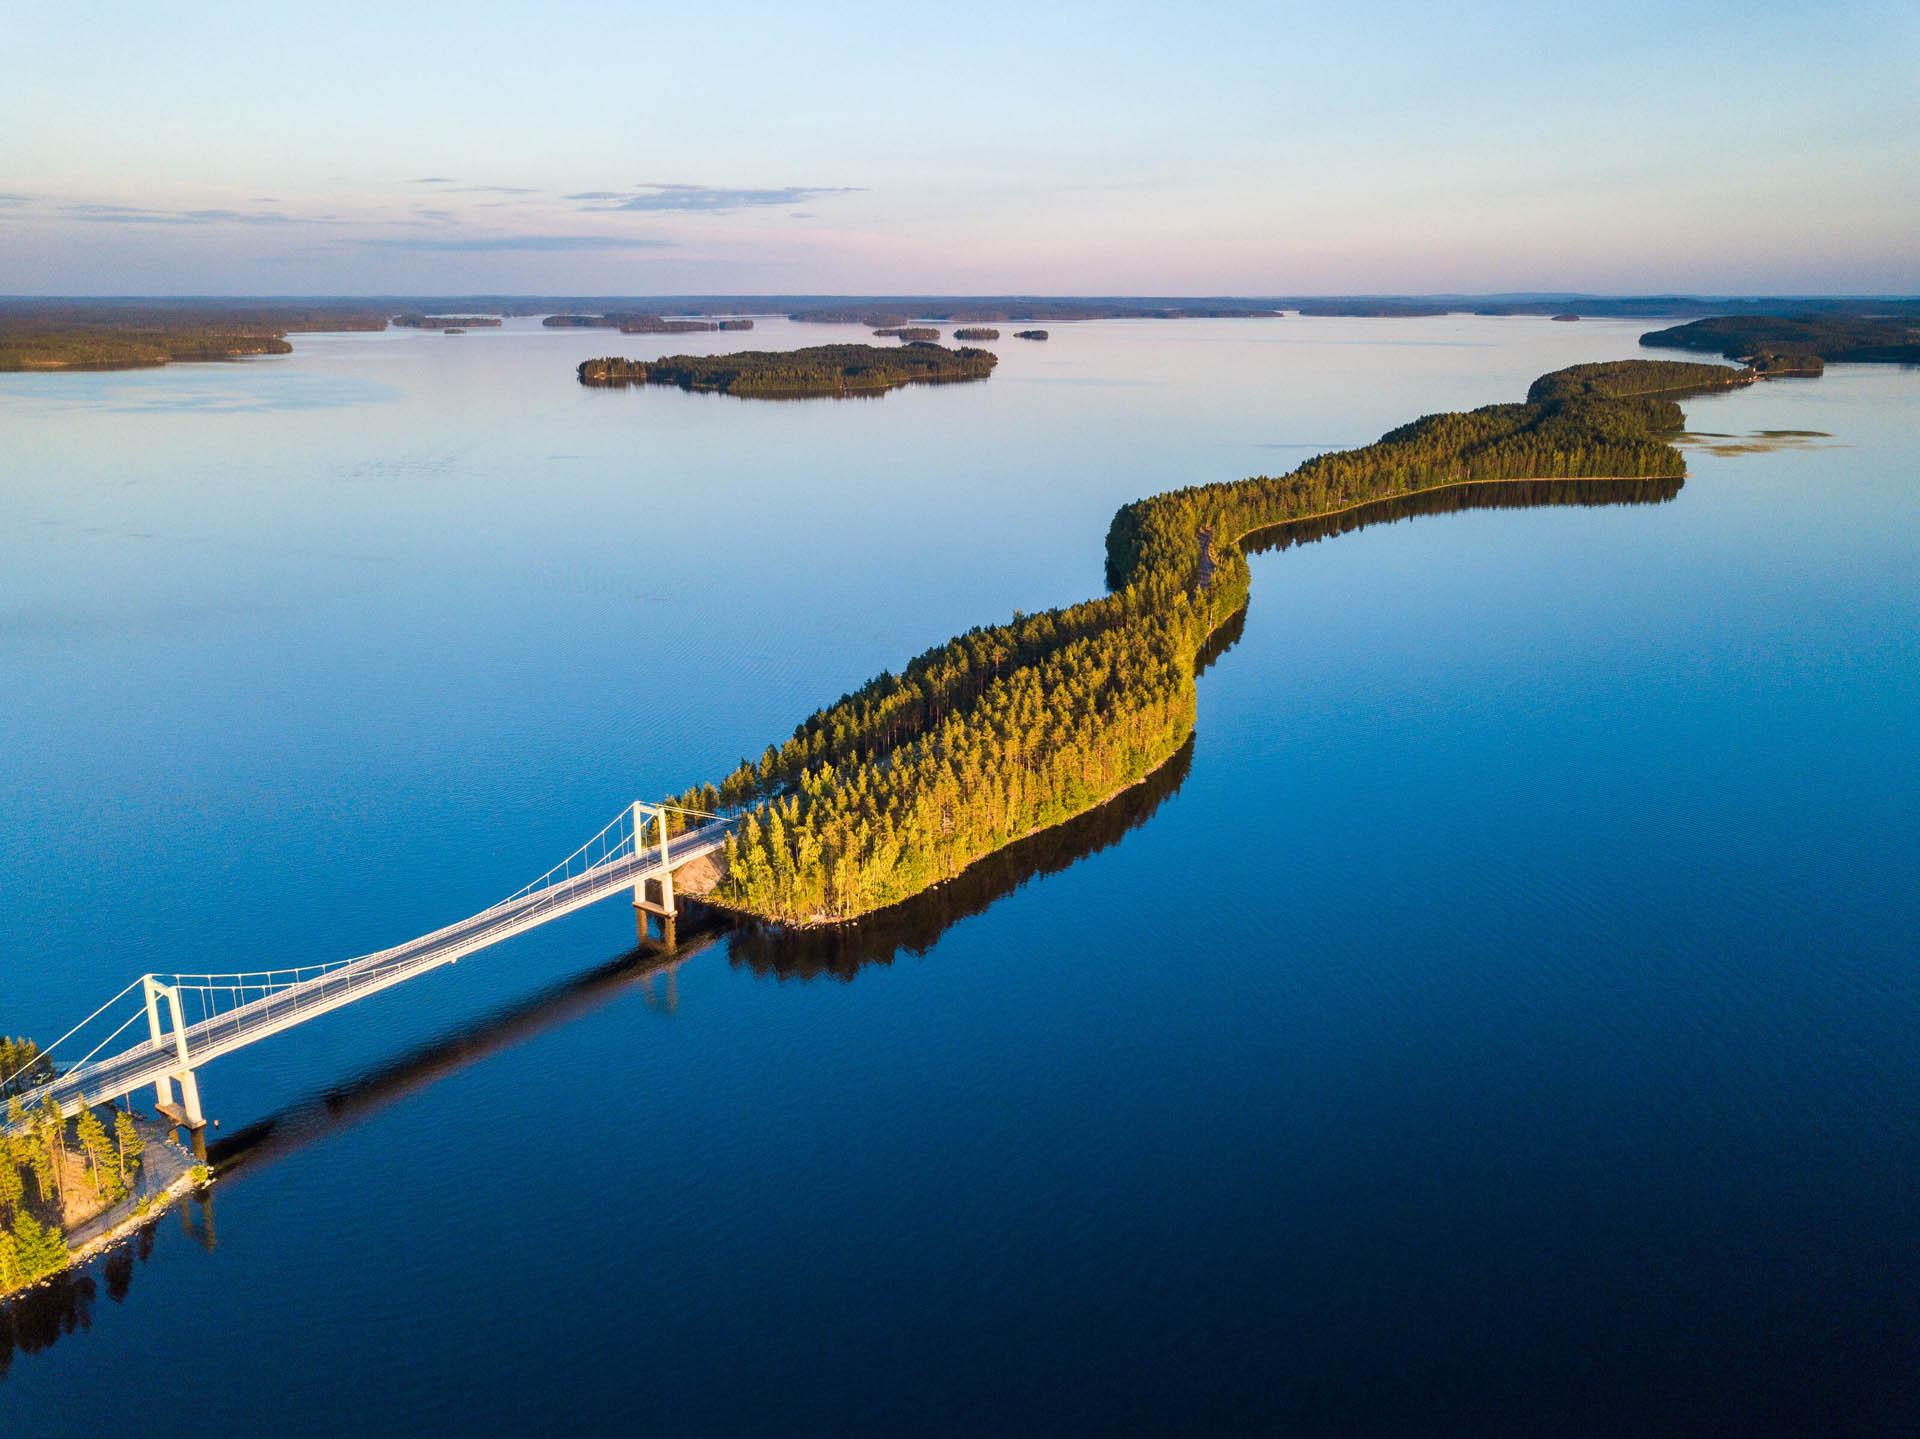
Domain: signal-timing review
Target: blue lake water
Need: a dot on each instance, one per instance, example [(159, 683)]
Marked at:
[(1501, 1021)]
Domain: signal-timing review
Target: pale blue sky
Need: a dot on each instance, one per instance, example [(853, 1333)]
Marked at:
[(602, 148)]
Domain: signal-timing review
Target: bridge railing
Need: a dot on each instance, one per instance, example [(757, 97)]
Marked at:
[(232, 1006)]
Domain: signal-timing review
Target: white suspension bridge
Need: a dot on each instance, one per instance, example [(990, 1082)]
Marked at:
[(193, 1018)]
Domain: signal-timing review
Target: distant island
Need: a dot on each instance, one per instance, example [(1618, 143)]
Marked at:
[(446, 322), (984, 310), (1796, 344), (921, 333), (1564, 319), (1029, 334), (655, 325), (1371, 309), (638, 322), (816, 370), (1009, 729), (976, 333), (111, 335)]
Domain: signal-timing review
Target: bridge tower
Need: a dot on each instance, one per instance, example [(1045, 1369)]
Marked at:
[(187, 1112), (643, 904)]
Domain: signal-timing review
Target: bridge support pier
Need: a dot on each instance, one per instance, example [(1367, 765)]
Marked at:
[(669, 916)]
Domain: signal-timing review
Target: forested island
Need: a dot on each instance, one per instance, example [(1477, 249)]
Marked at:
[(814, 370), (446, 322), (1029, 334), (1789, 344), (655, 325), (922, 333), (973, 333), (111, 336), (635, 322), (1012, 728)]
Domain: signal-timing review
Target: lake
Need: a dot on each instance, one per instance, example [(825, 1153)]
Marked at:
[(1501, 1019)]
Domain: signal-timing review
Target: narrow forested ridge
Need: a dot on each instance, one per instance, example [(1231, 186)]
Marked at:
[(1010, 728)]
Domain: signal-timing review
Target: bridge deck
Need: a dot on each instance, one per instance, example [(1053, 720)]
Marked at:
[(282, 1008)]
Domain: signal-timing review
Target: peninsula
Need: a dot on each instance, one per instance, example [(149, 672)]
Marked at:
[(1787, 344), (56, 335), (72, 1182), (1012, 728), (779, 374)]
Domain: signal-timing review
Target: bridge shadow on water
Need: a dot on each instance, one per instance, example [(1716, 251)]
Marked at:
[(260, 1143)]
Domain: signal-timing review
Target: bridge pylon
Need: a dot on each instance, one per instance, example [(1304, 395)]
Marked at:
[(187, 1112), (643, 906)]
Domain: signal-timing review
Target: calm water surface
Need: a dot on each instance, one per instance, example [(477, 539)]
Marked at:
[(1501, 1019)]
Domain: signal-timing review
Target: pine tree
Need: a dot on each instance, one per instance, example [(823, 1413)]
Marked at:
[(12, 1274), (13, 1188), (43, 1155), (129, 1144), (39, 1249), (98, 1149)]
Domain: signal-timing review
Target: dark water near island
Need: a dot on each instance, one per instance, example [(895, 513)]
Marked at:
[(1500, 1019)]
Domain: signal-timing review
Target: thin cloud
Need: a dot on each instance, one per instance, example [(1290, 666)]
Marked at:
[(431, 180), (16, 199), (657, 198), (493, 190), (500, 244), (94, 213)]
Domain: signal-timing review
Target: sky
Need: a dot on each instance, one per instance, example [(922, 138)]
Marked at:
[(725, 148)]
